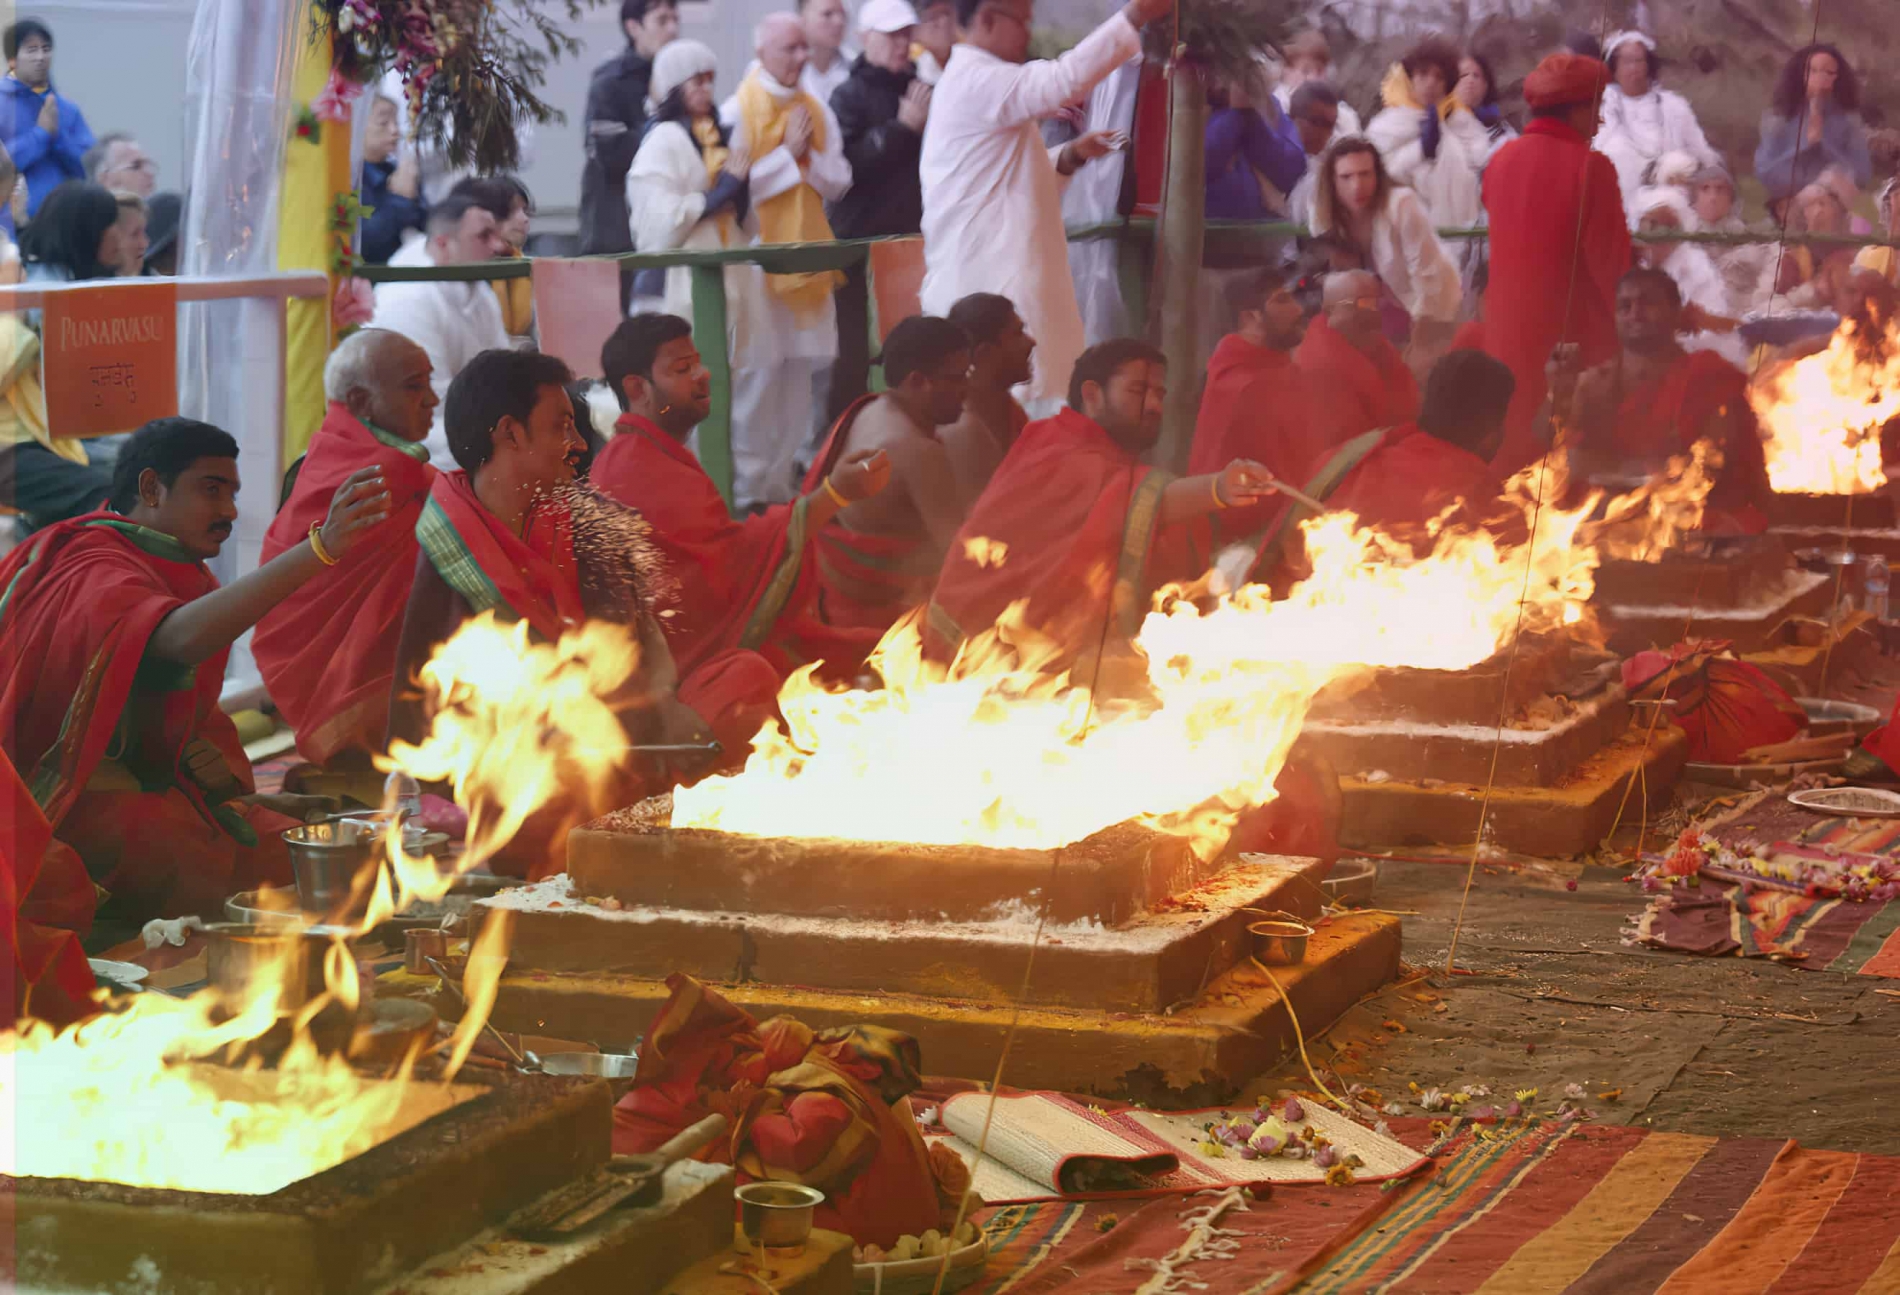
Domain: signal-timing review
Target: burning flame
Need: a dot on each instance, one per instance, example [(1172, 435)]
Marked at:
[(997, 752), (1821, 414), (1645, 523)]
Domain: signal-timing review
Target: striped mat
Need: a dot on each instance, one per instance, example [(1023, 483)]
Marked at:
[(1529, 1209)]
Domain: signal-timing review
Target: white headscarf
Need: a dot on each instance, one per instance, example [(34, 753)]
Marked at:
[(677, 63)]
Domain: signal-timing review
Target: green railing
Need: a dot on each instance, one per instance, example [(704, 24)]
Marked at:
[(1224, 238)]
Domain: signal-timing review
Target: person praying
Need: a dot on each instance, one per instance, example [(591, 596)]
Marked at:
[(1431, 140), (1654, 400), (742, 583), (1641, 121), (327, 653), (1346, 355), (1076, 527), (114, 635), (1002, 357), (1559, 241)]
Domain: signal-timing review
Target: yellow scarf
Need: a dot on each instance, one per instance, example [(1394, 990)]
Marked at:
[(1396, 91), (798, 214), (713, 149)]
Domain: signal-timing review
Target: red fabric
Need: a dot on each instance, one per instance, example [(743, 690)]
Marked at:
[(1470, 336), (1563, 79), (1726, 706), (1260, 405), (1367, 391), (735, 693), (1060, 503), (83, 602), (1409, 478), (328, 652), (1666, 416), (537, 575), (1558, 235), (40, 878)]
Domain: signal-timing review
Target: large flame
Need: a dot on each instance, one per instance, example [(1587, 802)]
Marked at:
[(996, 752), (1821, 415), (1645, 523)]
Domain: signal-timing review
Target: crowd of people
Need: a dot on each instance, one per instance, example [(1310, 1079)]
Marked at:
[(1001, 481)]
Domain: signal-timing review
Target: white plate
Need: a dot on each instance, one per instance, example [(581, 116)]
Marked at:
[(1839, 716), (919, 1276), (127, 975), (1849, 802)]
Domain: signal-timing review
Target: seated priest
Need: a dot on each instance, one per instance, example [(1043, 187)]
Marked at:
[(509, 532), (113, 639), (328, 652), (1627, 417), (748, 582), (1000, 361), (1077, 524), (1346, 355)]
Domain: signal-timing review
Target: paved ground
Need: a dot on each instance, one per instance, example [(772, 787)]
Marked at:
[(1697, 1045)]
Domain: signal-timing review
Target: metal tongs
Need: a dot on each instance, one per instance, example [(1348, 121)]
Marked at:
[(525, 1060)]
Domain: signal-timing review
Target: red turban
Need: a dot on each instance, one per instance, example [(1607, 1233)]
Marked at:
[(1564, 79)]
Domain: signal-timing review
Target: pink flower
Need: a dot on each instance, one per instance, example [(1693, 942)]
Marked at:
[(354, 304), (333, 104)]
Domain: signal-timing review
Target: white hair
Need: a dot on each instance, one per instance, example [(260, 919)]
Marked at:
[(351, 366), (778, 18)]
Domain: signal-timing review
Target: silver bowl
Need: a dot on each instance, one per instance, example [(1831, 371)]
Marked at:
[(776, 1217), (1280, 943), (327, 857), (591, 1065)]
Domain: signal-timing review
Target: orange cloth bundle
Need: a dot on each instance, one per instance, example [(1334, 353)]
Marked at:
[(1726, 706)]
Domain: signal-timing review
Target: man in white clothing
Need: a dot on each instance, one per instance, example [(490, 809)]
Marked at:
[(453, 322), (993, 192), (830, 60), (782, 354)]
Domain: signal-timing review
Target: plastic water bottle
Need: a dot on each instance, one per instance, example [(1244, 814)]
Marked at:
[(403, 794), (1876, 576)]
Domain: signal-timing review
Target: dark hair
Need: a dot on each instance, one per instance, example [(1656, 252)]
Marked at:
[(1466, 396), (1791, 91), (167, 446), (637, 10), (67, 230), (673, 108), (1433, 51), (1326, 183), (584, 423), (1104, 360), (917, 343), (495, 194), (446, 216), (632, 347), (1490, 77), (164, 214), (1577, 41), (24, 30), (1649, 56), (982, 316), (1310, 93), (1251, 290), (496, 384), (1658, 278)]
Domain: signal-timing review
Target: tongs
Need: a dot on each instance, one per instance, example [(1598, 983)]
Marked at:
[(525, 1061)]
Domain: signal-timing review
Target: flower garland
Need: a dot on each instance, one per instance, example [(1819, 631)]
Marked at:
[(354, 303), (1856, 877)]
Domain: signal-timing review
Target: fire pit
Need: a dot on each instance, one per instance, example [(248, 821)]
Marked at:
[(504, 1143)]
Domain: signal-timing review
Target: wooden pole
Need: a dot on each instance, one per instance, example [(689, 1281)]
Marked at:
[(1179, 241)]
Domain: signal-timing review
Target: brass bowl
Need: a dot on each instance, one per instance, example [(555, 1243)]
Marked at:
[(776, 1217), (1280, 943)]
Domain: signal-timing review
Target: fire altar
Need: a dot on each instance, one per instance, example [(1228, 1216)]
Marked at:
[(1744, 589)]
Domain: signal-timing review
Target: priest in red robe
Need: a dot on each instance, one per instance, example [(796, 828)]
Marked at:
[(1654, 400), (738, 583), (45, 906), (113, 637), (1559, 241), (1346, 356), (328, 652)]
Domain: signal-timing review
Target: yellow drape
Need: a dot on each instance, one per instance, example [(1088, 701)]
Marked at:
[(798, 214), (1396, 92)]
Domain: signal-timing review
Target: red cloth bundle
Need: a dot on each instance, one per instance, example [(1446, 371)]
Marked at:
[(1725, 705)]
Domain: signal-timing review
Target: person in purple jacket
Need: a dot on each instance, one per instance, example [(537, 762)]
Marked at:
[(44, 131), (1248, 135)]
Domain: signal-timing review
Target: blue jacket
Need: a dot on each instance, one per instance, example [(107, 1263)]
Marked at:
[(1786, 163), (390, 214), (47, 161)]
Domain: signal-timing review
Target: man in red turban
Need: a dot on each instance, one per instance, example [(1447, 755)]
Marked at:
[(1559, 241)]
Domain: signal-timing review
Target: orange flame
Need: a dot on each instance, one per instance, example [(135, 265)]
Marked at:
[(1821, 414)]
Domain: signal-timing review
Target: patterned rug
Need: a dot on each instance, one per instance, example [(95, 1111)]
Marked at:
[(1532, 1208)]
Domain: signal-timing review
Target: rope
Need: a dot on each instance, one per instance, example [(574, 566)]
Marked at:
[(1299, 1036)]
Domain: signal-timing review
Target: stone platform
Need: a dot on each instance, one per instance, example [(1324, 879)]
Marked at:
[(1199, 1054), (1750, 627), (1874, 510), (1409, 750), (1884, 543), (1569, 818)]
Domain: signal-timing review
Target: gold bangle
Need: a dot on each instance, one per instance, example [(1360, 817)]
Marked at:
[(316, 545), (836, 498), (1214, 489)]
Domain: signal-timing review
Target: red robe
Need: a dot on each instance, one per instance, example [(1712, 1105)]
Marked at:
[(1364, 391), (535, 576), (1409, 477), (45, 903), (157, 825), (1669, 414), (1079, 519), (1558, 235), (328, 652), (1260, 405)]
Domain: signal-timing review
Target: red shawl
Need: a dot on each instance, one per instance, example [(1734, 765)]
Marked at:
[(536, 577), (1078, 517), (1366, 391), (1670, 413), (1409, 478), (1558, 236), (328, 652), (46, 971), (81, 600), (1260, 405)]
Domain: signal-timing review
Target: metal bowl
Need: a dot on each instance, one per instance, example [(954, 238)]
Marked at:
[(1280, 943), (327, 857), (591, 1065), (1351, 881), (776, 1217)]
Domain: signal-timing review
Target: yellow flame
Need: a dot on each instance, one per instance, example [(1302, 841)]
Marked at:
[(986, 552), (1821, 415), (997, 752), (486, 961), (1645, 523)]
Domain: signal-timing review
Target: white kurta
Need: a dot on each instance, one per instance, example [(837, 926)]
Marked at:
[(453, 322), (1448, 180), (1409, 259), (1093, 196), (1635, 132), (820, 85), (1701, 285), (992, 198)]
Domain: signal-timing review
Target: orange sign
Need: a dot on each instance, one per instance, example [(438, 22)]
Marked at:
[(109, 357), (897, 277), (576, 307)]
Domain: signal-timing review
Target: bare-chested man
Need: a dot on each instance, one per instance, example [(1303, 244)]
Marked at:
[(880, 556), (1000, 351)]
